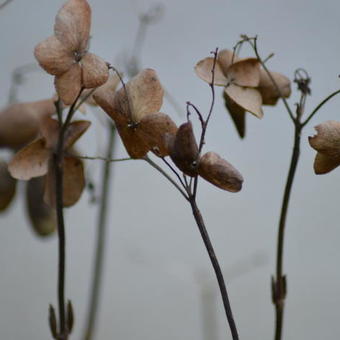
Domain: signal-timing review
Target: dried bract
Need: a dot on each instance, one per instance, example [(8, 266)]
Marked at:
[(7, 186)]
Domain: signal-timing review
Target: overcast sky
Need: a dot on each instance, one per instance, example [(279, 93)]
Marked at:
[(158, 282)]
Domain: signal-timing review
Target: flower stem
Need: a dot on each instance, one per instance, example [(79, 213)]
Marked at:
[(101, 239)]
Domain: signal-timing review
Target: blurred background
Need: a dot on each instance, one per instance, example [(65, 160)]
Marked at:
[(158, 281)]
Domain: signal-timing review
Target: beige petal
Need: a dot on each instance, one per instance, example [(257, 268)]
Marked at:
[(95, 71), (327, 139), (68, 85), (245, 72), (237, 114), (49, 129), (184, 152), (7, 186), (31, 161), (225, 59), (268, 90), (145, 94), (74, 131), (324, 163), (53, 57), (204, 70), (219, 172), (72, 25), (42, 217), (247, 98), (153, 128)]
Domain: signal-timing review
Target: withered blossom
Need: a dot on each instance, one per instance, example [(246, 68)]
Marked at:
[(35, 160), (327, 144), (65, 54), (7, 186), (135, 110)]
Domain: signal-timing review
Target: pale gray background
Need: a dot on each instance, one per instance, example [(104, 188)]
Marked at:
[(158, 273)]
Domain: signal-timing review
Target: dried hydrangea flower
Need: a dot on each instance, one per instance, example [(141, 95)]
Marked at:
[(327, 143), (35, 160), (19, 123), (65, 54), (135, 110)]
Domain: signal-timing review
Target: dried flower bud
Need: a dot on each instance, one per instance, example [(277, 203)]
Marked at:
[(219, 172), (7, 186), (184, 151)]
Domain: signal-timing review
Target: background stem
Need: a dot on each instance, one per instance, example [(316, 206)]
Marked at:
[(97, 275)]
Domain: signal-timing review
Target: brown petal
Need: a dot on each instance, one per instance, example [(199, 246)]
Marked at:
[(74, 131), (95, 71), (43, 218), (49, 129), (327, 139), (225, 59), (145, 95), (237, 114), (204, 70), (268, 91), (219, 172), (31, 161), (73, 182), (53, 57), (247, 98), (245, 72), (7, 186), (324, 163), (68, 85), (153, 129), (184, 152), (72, 25)]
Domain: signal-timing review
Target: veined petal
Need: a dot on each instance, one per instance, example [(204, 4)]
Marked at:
[(245, 72), (53, 57), (31, 161), (68, 85), (204, 70), (225, 59), (247, 98), (95, 71), (324, 163), (72, 25)]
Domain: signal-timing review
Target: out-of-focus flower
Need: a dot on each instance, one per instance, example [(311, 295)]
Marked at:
[(65, 54), (135, 110), (327, 144), (35, 160), (7, 186)]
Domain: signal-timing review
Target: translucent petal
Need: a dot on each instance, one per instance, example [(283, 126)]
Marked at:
[(95, 71), (204, 70), (245, 72)]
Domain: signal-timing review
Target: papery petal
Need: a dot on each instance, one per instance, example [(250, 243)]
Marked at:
[(268, 90), (74, 131), (237, 114), (153, 128), (247, 98), (49, 129), (31, 161), (145, 95), (7, 186), (95, 71), (72, 25), (219, 172), (53, 57), (225, 59), (245, 72), (327, 139), (184, 152), (43, 218), (324, 163), (68, 85), (204, 70)]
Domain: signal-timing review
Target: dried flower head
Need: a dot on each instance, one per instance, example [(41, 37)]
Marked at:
[(135, 110), (65, 54), (327, 144), (35, 160)]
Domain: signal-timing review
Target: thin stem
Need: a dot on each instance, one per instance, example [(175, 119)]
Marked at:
[(216, 266), (5, 3), (105, 159), (101, 240)]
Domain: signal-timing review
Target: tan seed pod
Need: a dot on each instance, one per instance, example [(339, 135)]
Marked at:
[(7, 186), (219, 172)]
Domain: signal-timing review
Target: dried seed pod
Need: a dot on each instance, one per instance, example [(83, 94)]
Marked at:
[(219, 172), (7, 186), (184, 151)]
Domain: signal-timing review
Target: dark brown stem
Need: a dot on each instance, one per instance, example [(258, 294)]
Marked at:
[(216, 266), (97, 276)]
